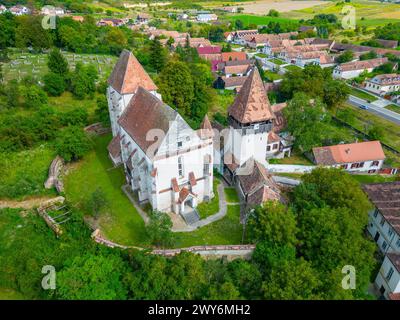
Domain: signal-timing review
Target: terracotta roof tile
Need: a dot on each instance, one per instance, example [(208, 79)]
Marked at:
[(234, 81), (143, 113), (183, 194), (128, 74), (365, 64), (114, 147), (175, 186), (395, 259), (386, 198), (240, 69), (349, 153), (192, 179), (232, 56), (252, 103), (206, 131)]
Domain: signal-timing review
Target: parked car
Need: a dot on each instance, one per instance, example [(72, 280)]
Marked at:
[(363, 107)]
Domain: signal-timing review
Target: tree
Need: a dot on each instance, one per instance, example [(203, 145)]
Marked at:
[(239, 24), (368, 55), (54, 84), (98, 201), (116, 40), (346, 56), (159, 229), (273, 13), (158, 55), (292, 280), (83, 81), (335, 93), (334, 188), (57, 63), (12, 93), (274, 222), (34, 96), (92, 277), (30, 33), (307, 121), (102, 110), (72, 143), (376, 132), (176, 86)]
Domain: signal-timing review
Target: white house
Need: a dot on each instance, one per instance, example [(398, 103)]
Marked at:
[(384, 227), (2, 9), (365, 157), (19, 10), (52, 11), (166, 163), (353, 69), (206, 17), (383, 83), (239, 36)]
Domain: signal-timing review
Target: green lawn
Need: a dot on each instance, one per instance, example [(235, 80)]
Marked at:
[(373, 178), (121, 223), (393, 107), (295, 158), (231, 195), (272, 75), (261, 55), (277, 61), (24, 64), (292, 67), (23, 174), (228, 230), (208, 209), (362, 95)]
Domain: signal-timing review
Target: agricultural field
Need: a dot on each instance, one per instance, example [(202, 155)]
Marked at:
[(262, 7), (248, 19), (368, 13), (23, 64)]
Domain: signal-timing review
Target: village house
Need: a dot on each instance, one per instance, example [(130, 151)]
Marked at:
[(383, 83), (167, 34), (143, 18), (193, 42), (307, 29), (233, 56), (19, 10), (111, 22), (78, 19), (390, 44), (238, 36), (166, 163), (384, 228), (237, 70), (353, 69), (52, 11), (210, 53), (206, 17), (230, 83), (2, 9), (260, 40), (353, 157), (320, 58)]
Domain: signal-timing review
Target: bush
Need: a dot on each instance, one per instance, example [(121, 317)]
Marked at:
[(72, 143), (54, 84), (78, 116), (34, 96)]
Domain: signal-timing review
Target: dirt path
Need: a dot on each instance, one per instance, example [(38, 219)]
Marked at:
[(24, 204)]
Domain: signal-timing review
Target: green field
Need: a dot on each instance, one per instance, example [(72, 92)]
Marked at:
[(248, 19), (277, 61), (272, 76), (208, 209), (292, 67), (23, 64)]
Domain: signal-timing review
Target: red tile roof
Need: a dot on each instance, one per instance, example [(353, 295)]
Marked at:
[(209, 50), (252, 103), (144, 113), (128, 74), (231, 56), (206, 130), (349, 153), (394, 259), (114, 148)]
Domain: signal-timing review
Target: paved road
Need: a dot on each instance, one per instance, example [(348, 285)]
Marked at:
[(379, 111)]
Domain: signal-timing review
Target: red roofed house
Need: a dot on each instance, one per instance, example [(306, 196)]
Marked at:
[(210, 53), (352, 70), (167, 164), (233, 56), (354, 157)]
